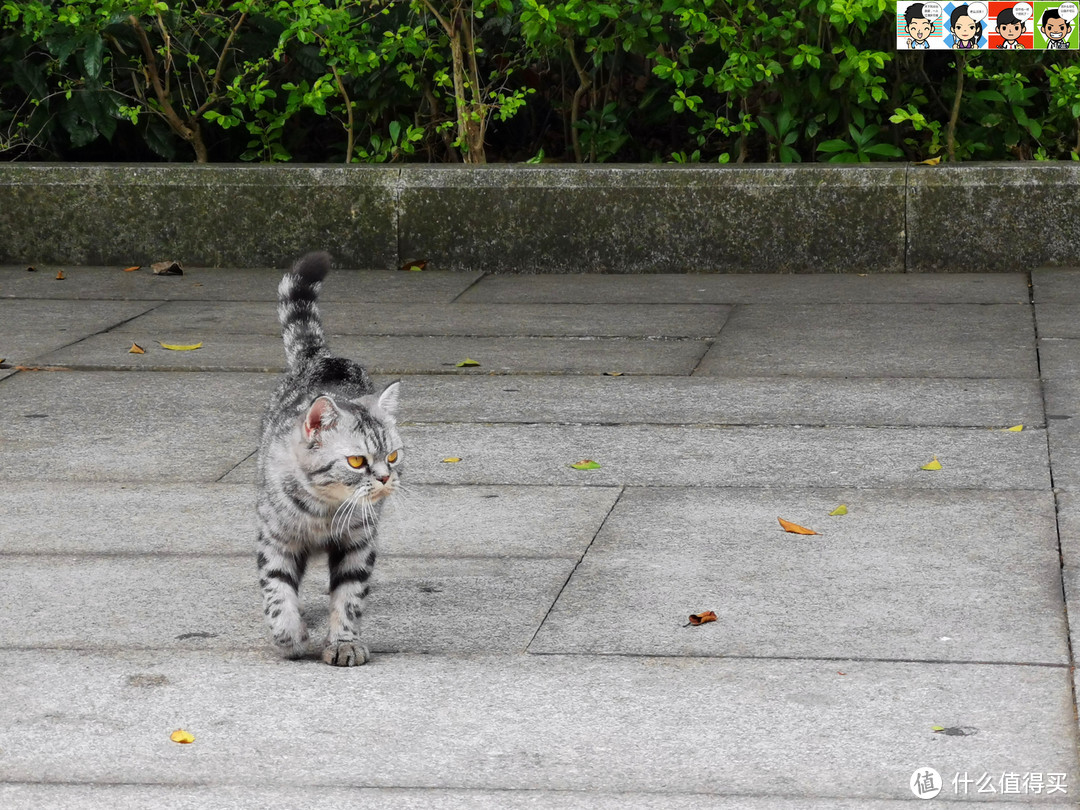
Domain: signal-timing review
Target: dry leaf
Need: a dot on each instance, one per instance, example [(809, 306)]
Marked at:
[(60, 275), (613, 373), (586, 464), (180, 348), (702, 618), (1015, 429), (132, 269), (167, 268), (415, 265), (31, 269), (136, 349), (181, 736), (794, 528), (468, 361), (840, 510), (933, 465), (451, 460)]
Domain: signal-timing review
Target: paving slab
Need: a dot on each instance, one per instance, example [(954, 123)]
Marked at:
[(946, 576), (713, 456), (219, 519), (910, 340), (32, 328), (430, 605), (1059, 357), (770, 728), (390, 355), (210, 284), (253, 797), (630, 320), (746, 288), (107, 426), (629, 399), (1058, 320), (1058, 285)]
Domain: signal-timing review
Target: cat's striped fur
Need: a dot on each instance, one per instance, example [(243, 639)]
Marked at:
[(323, 417)]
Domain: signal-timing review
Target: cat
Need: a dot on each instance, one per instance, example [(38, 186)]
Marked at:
[(329, 455)]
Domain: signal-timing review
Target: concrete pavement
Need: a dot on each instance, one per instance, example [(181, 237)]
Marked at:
[(529, 619)]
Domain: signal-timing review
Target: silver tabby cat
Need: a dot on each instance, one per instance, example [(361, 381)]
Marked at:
[(329, 456)]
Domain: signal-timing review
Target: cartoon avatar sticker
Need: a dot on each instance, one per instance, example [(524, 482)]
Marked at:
[(966, 29), (1056, 26), (919, 25), (1010, 26)]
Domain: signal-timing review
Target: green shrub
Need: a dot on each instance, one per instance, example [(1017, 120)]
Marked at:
[(475, 80)]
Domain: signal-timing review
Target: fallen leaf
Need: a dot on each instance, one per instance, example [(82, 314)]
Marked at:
[(468, 361), (840, 510), (838, 672), (167, 268), (451, 460), (1015, 429), (702, 618), (132, 269), (60, 275), (178, 348), (31, 269), (936, 729), (416, 265), (613, 373), (933, 465), (794, 528), (586, 464), (136, 349), (181, 736), (934, 161)]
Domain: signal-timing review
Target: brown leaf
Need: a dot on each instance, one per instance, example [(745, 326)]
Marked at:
[(172, 268), (794, 528), (136, 349), (132, 269), (415, 265), (703, 618), (31, 269), (60, 275)]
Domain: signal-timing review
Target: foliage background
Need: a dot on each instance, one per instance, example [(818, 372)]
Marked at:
[(513, 80)]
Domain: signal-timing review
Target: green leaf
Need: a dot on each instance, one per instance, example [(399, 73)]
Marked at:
[(466, 362), (586, 464), (834, 146), (92, 57)]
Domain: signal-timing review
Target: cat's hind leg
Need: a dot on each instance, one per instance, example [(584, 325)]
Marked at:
[(350, 570), (280, 572)]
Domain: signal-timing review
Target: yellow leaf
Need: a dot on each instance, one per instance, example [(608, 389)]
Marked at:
[(794, 528), (934, 161), (181, 736), (468, 361), (136, 349), (586, 464), (937, 728), (451, 460), (132, 269), (840, 510), (613, 373), (703, 618), (933, 465), (178, 348), (1015, 428)]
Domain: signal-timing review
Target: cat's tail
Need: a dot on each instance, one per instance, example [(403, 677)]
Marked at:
[(298, 311)]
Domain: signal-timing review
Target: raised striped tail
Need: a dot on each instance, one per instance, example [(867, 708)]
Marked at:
[(298, 311)]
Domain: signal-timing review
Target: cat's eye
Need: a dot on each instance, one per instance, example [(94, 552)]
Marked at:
[(356, 462), (392, 457)]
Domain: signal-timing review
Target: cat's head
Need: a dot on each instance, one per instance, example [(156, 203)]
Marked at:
[(351, 448)]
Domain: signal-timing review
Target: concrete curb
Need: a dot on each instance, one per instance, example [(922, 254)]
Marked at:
[(548, 219)]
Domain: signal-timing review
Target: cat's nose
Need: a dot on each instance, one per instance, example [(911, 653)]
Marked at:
[(382, 479)]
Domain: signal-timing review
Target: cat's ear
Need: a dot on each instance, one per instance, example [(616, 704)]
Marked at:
[(388, 399), (322, 415)]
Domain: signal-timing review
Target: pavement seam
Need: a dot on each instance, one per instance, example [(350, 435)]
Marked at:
[(1057, 511), (106, 330), (600, 528), (219, 479)]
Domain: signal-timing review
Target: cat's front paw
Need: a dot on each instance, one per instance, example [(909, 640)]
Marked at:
[(292, 644), (345, 654)]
